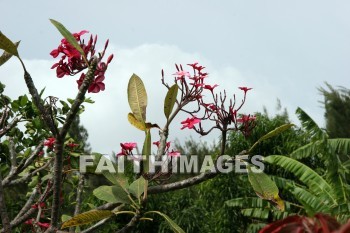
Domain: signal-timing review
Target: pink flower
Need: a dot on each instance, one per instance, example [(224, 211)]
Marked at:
[(181, 74), (71, 145), (210, 88), (174, 153), (245, 89), (128, 145), (189, 122), (50, 142), (246, 118), (196, 85), (127, 148)]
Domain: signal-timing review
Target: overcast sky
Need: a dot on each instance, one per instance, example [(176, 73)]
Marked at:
[(282, 49)]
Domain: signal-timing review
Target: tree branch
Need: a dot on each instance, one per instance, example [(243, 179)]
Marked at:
[(3, 212), (45, 116), (58, 165), (23, 165)]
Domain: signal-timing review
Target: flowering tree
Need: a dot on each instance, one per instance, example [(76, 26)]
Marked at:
[(47, 124)]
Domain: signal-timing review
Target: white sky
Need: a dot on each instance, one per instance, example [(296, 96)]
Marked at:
[(283, 49)]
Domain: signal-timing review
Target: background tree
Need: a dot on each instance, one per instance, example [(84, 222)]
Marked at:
[(337, 111)]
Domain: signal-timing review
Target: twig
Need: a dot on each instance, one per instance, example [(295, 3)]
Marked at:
[(78, 199), (23, 165)]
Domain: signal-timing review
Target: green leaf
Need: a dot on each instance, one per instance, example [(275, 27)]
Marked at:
[(304, 173), (264, 187), (146, 150), (170, 100), (69, 37), (6, 56), (271, 134), (139, 125), (87, 217), (112, 194), (137, 97), (23, 100), (310, 125), (116, 178), (176, 228), (65, 217), (7, 45), (137, 187)]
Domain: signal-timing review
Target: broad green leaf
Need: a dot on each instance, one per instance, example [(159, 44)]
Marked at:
[(7, 45), (310, 125), (69, 37), (139, 125), (137, 187), (176, 228), (23, 100), (305, 174), (146, 150), (264, 187), (170, 100), (65, 217), (248, 202), (87, 217), (271, 134), (256, 213), (116, 178), (6, 56), (112, 194), (311, 203), (137, 97)]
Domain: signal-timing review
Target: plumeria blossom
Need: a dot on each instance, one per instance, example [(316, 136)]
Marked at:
[(245, 89), (173, 153), (72, 62), (180, 75), (42, 225), (72, 145), (127, 148), (209, 87), (50, 142), (190, 122), (246, 118)]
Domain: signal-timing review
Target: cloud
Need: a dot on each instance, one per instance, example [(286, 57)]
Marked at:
[(106, 120)]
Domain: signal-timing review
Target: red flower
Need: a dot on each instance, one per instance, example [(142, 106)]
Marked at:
[(72, 62), (127, 148), (71, 145), (210, 88), (189, 122), (174, 153), (246, 118), (245, 89), (50, 142)]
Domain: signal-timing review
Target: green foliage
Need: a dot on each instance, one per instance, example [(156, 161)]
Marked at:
[(87, 217), (170, 100), (7, 45), (137, 97), (337, 105)]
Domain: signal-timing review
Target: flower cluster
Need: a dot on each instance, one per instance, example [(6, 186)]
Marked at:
[(72, 62), (193, 88), (50, 142)]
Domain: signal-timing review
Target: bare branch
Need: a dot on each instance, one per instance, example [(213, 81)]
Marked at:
[(23, 165)]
